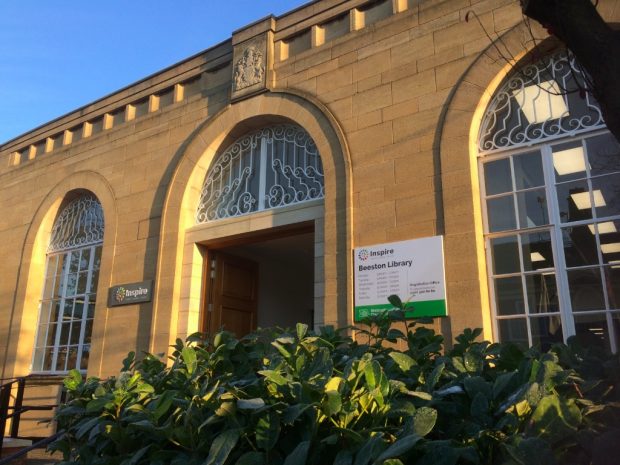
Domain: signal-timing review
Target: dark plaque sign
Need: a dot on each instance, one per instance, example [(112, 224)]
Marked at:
[(128, 294)]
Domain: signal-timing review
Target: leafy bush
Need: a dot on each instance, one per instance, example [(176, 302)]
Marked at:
[(294, 397)]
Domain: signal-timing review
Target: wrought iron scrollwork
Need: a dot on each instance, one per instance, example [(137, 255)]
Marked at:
[(80, 224), (270, 168), (550, 92)]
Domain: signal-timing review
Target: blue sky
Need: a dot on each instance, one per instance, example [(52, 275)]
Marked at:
[(56, 56)]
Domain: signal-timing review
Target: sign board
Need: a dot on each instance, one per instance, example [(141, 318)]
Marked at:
[(413, 270), (128, 294)]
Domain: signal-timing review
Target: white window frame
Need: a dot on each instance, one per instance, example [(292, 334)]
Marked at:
[(554, 227)]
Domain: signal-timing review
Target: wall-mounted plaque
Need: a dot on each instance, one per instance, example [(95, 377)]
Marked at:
[(128, 294), (413, 270)]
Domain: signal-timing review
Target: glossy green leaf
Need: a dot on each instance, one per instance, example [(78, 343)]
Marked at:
[(299, 454), (250, 404), (190, 359), (424, 421), (267, 431), (398, 448), (404, 361), (222, 445)]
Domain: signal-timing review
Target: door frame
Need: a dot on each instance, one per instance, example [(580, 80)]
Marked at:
[(209, 248)]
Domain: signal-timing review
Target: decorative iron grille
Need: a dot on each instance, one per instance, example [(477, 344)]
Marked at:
[(269, 168), (540, 102), (80, 224)]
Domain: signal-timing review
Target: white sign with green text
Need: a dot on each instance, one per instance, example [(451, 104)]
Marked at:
[(413, 270)]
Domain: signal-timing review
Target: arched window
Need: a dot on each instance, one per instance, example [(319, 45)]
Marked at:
[(551, 190), (273, 167), (67, 306)]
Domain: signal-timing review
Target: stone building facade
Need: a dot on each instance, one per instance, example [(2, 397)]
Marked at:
[(406, 119)]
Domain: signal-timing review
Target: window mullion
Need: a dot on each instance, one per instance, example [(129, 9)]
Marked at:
[(262, 180), (63, 296), (557, 245)]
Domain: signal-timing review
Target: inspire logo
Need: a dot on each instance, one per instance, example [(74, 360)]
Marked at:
[(363, 255), (121, 292)]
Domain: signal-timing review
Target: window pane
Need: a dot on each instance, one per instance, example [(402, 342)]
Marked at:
[(48, 357), (74, 261), (91, 307), (537, 251), (37, 363), (84, 259), (501, 214), (58, 286), (610, 242), (586, 290), (64, 333), (505, 255), (81, 288), (509, 296), (44, 317), (85, 356), (569, 162), (72, 353), (49, 287), (51, 336), (514, 331), (78, 309), (546, 331), (603, 154), (528, 171), (61, 359), (75, 333), (497, 178), (542, 293), (55, 311), (606, 192), (88, 331), (574, 201), (592, 331), (532, 208), (579, 246), (51, 265), (67, 310), (612, 283), (41, 336), (71, 284)]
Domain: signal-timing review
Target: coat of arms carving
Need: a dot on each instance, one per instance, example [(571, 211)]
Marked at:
[(249, 69)]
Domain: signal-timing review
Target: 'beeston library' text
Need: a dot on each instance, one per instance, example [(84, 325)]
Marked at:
[(379, 266)]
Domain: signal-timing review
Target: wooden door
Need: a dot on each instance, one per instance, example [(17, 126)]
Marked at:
[(231, 299)]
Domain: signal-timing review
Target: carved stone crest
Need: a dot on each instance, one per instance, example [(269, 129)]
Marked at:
[(249, 69)]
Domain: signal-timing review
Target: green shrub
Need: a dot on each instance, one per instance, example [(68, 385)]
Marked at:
[(281, 397)]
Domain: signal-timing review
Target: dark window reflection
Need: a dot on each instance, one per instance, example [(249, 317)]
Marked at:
[(579, 246), (542, 293), (528, 171), (537, 251), (586, 290), (514, 331), (505, 255), (546, 331), (501, 212), (497, 177), (574, 201), (591, 331), (509, 296), (603, 154)]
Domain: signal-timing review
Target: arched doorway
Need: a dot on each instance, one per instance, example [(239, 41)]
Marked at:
[(185, 245), (264, 277)]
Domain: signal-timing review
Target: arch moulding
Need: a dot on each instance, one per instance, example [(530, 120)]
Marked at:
[(458, 152), (29, 285), (177, 299)]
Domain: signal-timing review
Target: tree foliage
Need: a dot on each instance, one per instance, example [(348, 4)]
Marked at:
[(295, 397)]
